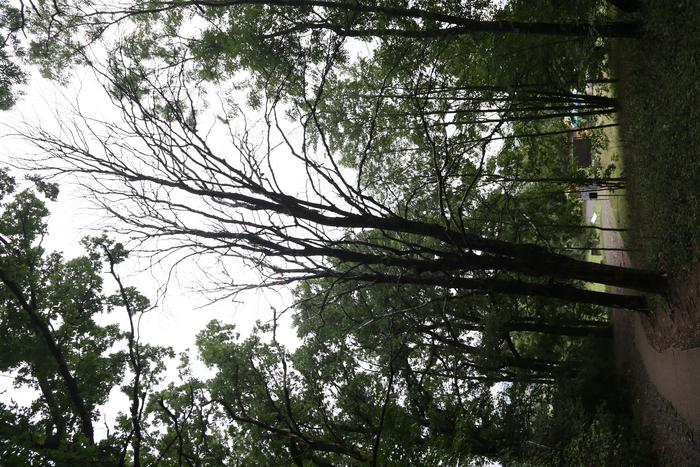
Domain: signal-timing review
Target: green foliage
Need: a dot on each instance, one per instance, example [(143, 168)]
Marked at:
[(560, 63), (104, 248), (358, 372), (11, 74), (48, 189), (606, 441)]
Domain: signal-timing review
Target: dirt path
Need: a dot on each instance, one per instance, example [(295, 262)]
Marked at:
[(667, 384)]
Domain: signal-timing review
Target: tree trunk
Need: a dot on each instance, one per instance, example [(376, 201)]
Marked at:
[(522, 258), (563, 292), (460, 24), (561, 329), (564, 329)]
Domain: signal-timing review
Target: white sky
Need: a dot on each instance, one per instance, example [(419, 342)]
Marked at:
[(73, 216)]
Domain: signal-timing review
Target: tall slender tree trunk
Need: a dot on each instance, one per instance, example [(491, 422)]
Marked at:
[(560, 329), (522, 258), (559, 291)]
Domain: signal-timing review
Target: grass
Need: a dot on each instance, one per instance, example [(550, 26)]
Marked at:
[(660, 134)]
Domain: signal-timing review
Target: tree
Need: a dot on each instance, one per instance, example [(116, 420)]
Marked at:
[(48, 307), (402, 375), (380, 19), (445, 263), (365, 387), (326, 409), (180, 187), (281, 35), (144, 361), (495, 337), (56, 35), (11, 74), (53, 344)]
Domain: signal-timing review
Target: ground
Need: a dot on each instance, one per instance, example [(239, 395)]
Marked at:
[(665, 385), (659, 91)]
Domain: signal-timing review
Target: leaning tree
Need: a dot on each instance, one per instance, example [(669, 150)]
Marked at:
[(175, 179)]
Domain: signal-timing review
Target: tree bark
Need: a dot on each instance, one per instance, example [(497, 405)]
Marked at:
[(561, 329), (460, 25)]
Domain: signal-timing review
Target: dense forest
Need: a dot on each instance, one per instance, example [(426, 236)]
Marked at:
[(404, 168)]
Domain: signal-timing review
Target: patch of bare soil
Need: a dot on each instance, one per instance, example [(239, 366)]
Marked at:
[(674, 442), (676, 324)]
